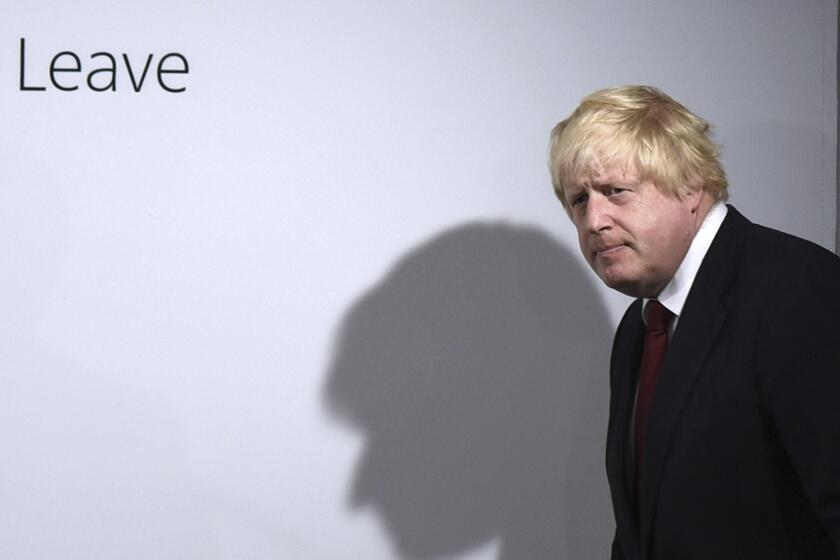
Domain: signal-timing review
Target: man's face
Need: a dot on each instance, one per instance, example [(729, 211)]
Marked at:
[(633, 236)]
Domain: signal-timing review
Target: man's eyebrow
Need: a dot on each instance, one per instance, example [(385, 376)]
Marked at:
[(623, 183)]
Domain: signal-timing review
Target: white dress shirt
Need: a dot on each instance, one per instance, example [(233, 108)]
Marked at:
[(674, 294)]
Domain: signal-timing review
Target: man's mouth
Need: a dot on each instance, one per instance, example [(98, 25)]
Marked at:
[(609, 249)]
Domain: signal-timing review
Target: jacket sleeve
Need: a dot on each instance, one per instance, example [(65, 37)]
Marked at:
[(616, 554), (798, 376)]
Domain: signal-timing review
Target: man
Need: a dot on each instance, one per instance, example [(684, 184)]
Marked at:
[(724, 431)]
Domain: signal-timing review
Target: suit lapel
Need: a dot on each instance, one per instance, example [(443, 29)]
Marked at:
[(624, 366), (699, 325)]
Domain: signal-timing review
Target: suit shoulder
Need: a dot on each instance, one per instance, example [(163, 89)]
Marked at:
[(629, 323), (791, 260), (632, 313), (625, 342), (774, 240)]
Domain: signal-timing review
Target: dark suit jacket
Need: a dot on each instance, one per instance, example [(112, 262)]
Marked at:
[(742, 458)]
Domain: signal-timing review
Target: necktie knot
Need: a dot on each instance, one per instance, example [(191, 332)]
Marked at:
[(657, 316)]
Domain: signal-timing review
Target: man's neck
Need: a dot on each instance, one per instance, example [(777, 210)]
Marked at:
[(675, 292)]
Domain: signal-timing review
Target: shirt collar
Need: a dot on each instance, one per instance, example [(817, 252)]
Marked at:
[(675, 293)]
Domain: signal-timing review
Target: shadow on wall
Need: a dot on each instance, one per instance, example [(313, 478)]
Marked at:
[(477, 371)]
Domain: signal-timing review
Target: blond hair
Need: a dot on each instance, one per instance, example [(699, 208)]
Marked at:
[(642, 127)]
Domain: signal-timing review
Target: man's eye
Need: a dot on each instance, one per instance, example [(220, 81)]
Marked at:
[(611, 191), (580, 199)]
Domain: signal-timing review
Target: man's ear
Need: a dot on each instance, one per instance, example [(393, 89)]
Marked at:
[(695, 197)]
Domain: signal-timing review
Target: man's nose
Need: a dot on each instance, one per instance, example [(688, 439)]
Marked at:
[(597, 214)]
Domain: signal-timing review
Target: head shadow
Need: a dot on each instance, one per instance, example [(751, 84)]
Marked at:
[(476, 370)]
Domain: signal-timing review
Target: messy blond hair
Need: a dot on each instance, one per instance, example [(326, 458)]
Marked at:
[(637, 126)]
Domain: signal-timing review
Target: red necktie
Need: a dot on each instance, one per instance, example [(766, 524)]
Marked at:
[(655, 345)]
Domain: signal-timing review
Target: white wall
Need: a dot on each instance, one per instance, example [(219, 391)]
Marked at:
[(322, 304)]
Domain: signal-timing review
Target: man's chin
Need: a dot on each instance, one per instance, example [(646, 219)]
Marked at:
[(630, 286), (628, 289), (621, 283)]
